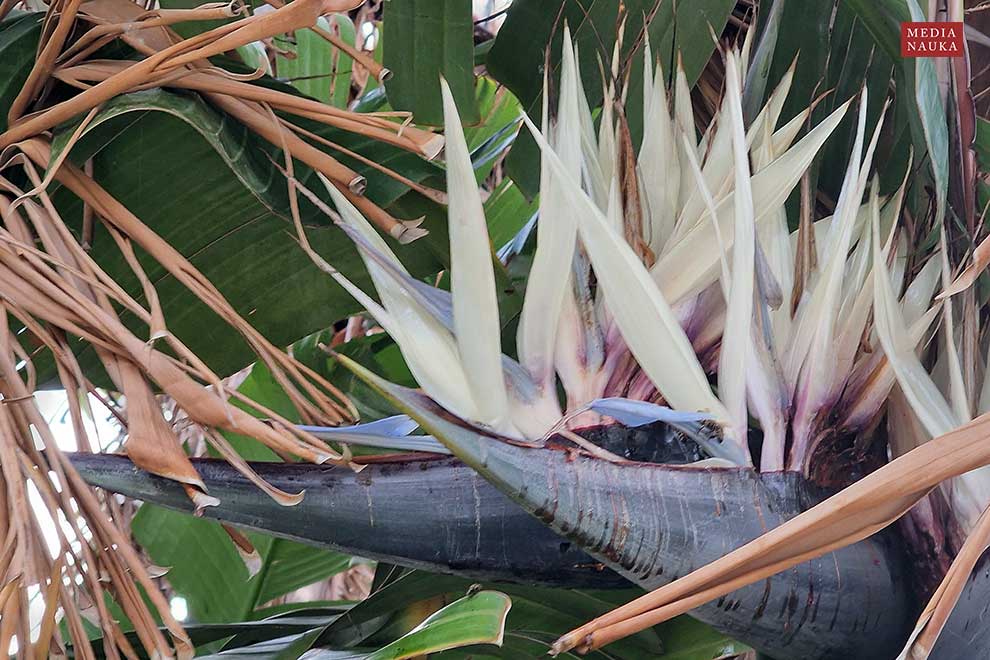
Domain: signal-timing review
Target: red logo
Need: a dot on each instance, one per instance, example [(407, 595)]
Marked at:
[(932, 39)]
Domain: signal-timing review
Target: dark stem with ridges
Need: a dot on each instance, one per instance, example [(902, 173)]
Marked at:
[(433, 514), (655, 523)]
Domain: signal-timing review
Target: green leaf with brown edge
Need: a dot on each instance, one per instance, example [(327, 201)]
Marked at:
[(428, 39)]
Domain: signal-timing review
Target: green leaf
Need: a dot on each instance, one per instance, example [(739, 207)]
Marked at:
[(300, 620), (18, 44), (252, 632), (204, 567), (835, 53), (474, 619), (516, 59), (883, 18), (343, 63), (489, 140), (427, 39), (309, 608), (206, 570), (313, 66), (507, 211), (538, 616), (498, 108), (685, 638), (982, 144), (307, 64), (933, 120), (290, 647), (386, 602), (288, 566), (758, 73), (208, 186)]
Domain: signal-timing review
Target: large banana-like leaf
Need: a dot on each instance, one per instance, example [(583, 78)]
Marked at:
[(917, 82), (517, 56), (417, 62), (18, 41), (213, 191), (835, 53), (206, 570)]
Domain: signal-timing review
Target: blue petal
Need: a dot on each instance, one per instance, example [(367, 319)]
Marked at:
[(639, 413), (392, 427), (389, 433)]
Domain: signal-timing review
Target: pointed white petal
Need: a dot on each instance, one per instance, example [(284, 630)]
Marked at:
[(769, 115), (784, 136), (683, 110), (874, 378), (597, 176), (717, 168), (692, 264), (684, 115), (644, 317), (958, 396), (472, 280), (427, 347), (659, 167), (919, 389), (734, 356), (919, 293), (776, 241), (556, 235), (816, 315)]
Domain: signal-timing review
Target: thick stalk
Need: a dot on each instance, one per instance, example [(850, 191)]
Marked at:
[(438, 515), (654, 523)]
